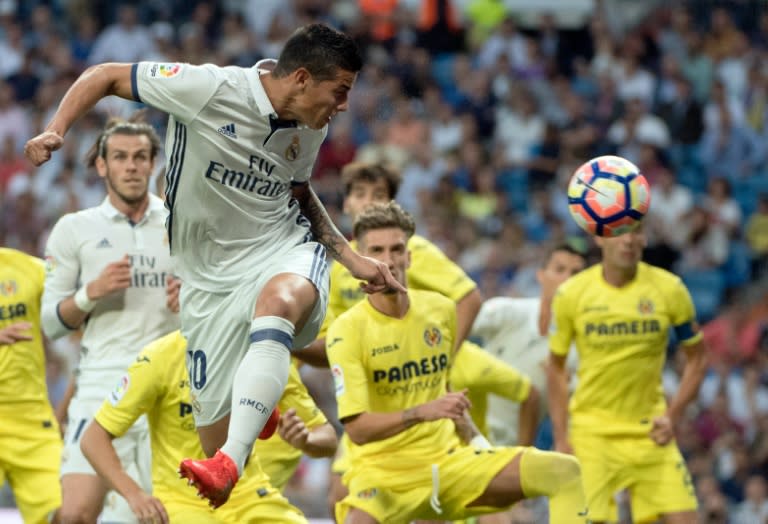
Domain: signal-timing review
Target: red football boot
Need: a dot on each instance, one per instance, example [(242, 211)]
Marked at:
[(214, 478)]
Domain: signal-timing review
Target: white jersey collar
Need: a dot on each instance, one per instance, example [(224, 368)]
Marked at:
[(259, 95), (155, 205)]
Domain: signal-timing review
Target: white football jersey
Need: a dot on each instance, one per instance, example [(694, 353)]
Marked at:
[(231, 165), (509, 329), (79, 247)]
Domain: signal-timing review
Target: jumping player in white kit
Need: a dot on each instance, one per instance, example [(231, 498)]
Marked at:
[(107, 270), (247, 230)]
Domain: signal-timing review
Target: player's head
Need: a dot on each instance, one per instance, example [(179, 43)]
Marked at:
[(623, 252), (382, 232), (365, 184), (561, 263), (323, 64), (124, 156)]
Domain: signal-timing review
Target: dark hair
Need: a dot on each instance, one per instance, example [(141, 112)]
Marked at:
[(135, 126), (321, 50), (563, 247), (365, 172), (383, 216)]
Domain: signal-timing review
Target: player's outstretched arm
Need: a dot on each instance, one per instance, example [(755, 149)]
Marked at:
[(95, 83), (97, 447), (376, 274), (467, 309), (557, 388), (696, 361), (320, 441), (528, 418), (371, 426)]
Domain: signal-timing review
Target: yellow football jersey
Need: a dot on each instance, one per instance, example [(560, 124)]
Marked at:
[(621, 335), (22, 370), (157, 384), (385, 364), (279, 459)]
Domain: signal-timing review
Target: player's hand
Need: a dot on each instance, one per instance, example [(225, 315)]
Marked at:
[(115, 277), (38, 149), (375, 275), (172, 288), (292, 429), (147, 508), (451, 405), (15, 333), (662, 431)]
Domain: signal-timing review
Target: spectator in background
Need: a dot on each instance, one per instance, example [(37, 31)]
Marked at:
[(697, 66), (682, 113), (12, 163), (124, 41), (724, 210), (632, 79), (439, 28), (338, 151), (704, 244), (671, 203), (637, 127), (505, 41), (14, 121), (754, 508), (756, 234), (730, 148), (12, 50), (519, 128), (732, 337), (407, 129)]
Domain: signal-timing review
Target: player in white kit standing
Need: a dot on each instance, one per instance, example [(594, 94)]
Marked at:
[(247, 230), (515, 330), (107, 271)]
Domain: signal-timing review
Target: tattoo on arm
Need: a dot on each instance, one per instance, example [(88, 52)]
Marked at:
[(320, 223), (410, 417)]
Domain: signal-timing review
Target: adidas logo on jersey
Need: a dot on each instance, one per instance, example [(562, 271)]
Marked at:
[(228, 130), (104, 243)]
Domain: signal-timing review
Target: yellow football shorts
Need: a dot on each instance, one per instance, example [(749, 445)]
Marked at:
[(341, 460), (180, 512), (30, 459), (260, 504), (430, 491), (656, 476)]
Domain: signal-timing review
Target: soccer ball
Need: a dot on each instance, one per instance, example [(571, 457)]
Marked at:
[(608, 196)]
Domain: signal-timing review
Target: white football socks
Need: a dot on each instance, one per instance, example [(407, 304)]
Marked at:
[(258, 385)]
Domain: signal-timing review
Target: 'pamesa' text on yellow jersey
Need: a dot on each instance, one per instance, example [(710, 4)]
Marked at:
[(621, 335), (384, 364)]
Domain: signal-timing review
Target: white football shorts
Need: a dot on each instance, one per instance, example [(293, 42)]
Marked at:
[(217, 327)]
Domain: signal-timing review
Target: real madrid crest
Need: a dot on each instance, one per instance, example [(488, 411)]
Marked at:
[(293, 150)]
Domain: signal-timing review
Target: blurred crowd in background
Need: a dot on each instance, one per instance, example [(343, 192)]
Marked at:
[(486, 110)]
